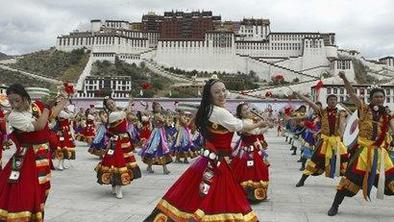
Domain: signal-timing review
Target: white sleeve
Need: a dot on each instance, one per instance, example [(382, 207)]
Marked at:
[(123, 114), (21, 121), (248, 122), (226, 119)]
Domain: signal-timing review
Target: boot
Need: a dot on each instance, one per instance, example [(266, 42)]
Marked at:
[(165, 170), (119, 193), (177, 160), (302, 180), (286, 138), (149, 169), (339, 196), (294, 151), (303, 162), (60, 166), (113, 190), (299, 160), (185, 160)]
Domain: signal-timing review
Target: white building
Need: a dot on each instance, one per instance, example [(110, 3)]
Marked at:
[(117, 87), (388, 60), (298, 56), (254, 29), (361, 90)]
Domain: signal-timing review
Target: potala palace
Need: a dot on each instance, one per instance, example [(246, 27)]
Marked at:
[(202, 41)]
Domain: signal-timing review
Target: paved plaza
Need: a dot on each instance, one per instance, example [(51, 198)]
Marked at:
[(75, 195)]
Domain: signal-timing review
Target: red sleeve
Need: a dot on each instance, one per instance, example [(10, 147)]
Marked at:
[(309, 124)]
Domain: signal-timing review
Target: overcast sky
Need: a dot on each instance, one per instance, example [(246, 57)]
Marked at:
[(364, 25)]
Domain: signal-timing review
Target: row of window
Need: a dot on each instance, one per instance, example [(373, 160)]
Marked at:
[(116, 88), (183, 44), (99, 41), (113, 24), (129, 57), (291, 37), (343, 64), (131, 34), (357, 91), (92, 81), (114, 95), (103, 55), (313, 44), (267, 46)]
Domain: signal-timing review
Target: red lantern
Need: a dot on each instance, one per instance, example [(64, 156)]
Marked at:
[(288, 111), (146, 85), (278, 77), (318, 86), (69, 88)]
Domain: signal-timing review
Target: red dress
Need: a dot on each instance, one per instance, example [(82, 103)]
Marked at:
[(66, 146), (145, 132), (89, 131), (118, 166), (189, 198), (249, 167), (23, 199), (3, 134)]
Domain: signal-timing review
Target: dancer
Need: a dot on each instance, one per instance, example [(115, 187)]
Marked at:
[(90, 128), (118, 166), (25, 180), (100, 140), (250, 169), (3, 134), (330, 155), (66, 147), (370, 164), (156, 150), (183, 146)]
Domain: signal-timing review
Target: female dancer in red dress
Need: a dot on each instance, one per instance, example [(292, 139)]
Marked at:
[(3, 133), (90, 128), (66, 147), (207, 191), (249, 164), (118, 166), (25, 180)]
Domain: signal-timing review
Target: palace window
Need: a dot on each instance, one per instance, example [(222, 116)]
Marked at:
[(341, 90), (388, 91), (328, 91), (388, 100), (335, 90)]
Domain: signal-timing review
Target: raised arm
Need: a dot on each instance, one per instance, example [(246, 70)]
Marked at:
[(42, 120), (315, 107), (349, 89), (259, 124)]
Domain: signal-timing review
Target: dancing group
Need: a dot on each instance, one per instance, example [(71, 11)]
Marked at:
[(365, 163), (44, 132), (230, 168)]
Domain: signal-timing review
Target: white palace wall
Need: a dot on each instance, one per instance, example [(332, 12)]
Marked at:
[(196, 55)]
